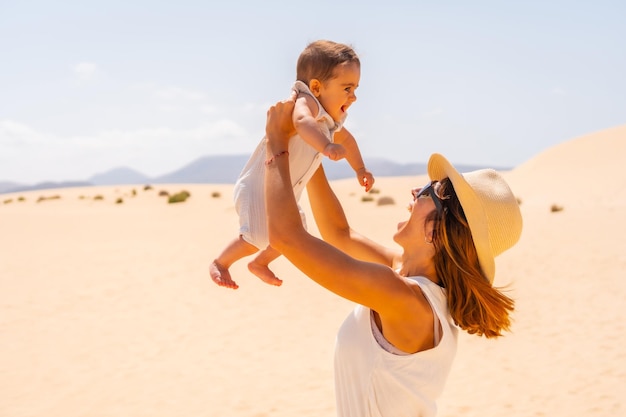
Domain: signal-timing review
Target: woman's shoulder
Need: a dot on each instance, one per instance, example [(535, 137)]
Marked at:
[(428, 293), (426, 285)]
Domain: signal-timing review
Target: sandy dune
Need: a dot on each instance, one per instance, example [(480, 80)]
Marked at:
[(107, 309)]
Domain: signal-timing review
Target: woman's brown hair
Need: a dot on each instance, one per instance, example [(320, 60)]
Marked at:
[(475, 305)]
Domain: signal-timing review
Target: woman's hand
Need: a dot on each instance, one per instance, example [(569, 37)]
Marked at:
[(279, 124)]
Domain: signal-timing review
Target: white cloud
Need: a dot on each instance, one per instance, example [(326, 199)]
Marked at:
[(438, 111), (208, 109), (15, 134), (168, 108), (260, 108), (85, 71), (558, 91), (29, 156), (174, 93)]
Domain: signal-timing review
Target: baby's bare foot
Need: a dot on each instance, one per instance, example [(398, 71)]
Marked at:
[(263, 272), (221, 276)]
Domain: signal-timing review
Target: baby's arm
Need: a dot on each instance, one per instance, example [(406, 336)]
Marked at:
[(308, 128), (353, 155)]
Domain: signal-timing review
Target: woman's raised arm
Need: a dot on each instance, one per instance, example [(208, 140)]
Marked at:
[(334, 228), (369, 283)]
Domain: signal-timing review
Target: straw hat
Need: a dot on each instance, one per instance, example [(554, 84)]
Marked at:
[(490, 207)]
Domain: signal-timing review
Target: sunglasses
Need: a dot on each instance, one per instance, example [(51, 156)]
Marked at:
[(428, 191)]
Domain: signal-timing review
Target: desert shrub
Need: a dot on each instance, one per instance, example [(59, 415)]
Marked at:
[(98, 197), (164, 193), (8, 201), (385, 201), (20, 198), (555, 208), (367, 198), (374, 191), (119, 200), (134, 192), (52, 197), (147, 187), (179, 197), (216, 194)]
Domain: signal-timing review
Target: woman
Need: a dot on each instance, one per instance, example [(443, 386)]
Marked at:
[(394, 351)]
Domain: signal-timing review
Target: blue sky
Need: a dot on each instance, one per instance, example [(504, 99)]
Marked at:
[(86, 86)]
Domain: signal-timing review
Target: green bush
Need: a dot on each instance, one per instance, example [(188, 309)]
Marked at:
[(179, 197)]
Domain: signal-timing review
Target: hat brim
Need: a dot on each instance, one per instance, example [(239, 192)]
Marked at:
[(439, 168)]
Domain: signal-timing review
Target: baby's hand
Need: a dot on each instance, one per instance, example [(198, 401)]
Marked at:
[(366, 179), (334, 151)]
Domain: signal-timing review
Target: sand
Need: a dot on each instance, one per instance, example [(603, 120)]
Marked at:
[(108, 309)]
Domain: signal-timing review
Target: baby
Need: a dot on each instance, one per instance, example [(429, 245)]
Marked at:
[(328, 74)]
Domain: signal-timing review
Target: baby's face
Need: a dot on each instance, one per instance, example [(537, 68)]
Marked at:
[(338, 93)]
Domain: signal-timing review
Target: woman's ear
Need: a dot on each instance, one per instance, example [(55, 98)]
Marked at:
[(314, 86), (428, 232)]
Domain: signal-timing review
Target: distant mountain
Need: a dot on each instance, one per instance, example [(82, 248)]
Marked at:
[(385, 168), (224, 169), (215, 169), (48, 185), (378, 166), (119, 176), (5, 186)]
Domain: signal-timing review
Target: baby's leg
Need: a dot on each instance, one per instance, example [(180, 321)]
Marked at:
[(259, 266), (235, 250)]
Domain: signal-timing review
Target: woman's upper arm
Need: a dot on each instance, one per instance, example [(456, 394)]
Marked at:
[(368, 283)]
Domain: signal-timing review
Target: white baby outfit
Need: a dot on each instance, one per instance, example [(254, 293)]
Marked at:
[(372, 382), (303, 162)]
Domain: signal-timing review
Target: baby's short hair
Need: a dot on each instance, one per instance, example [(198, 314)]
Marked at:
[(319, 59)]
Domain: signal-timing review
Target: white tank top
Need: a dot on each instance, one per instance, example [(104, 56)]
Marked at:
[(372, 382)]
